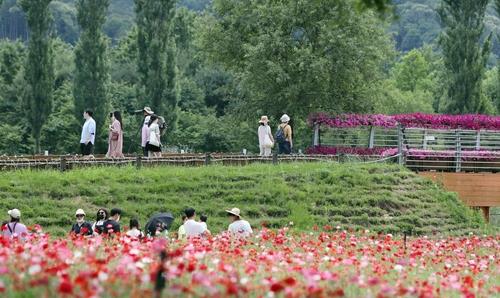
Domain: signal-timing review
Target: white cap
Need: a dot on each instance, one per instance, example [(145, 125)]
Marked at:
[(14, 213), (285, 118), (80, 211)]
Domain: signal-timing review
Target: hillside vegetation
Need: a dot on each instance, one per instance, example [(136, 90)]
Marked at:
[(377, 197)]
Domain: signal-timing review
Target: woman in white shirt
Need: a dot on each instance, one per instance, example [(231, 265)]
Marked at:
[(238, 226), (134, 231), (266, 140), (154, 144)]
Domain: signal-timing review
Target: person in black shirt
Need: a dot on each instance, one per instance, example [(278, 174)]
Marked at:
[(112, 225), (81, 227)]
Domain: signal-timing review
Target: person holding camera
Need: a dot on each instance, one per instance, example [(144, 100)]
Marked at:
[(154, 142)]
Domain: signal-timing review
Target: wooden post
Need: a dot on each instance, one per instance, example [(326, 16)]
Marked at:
[(208, 159), (138, 162), (275, 158), (371, 139), (458, 152), (316, 135), (400, 145), (478, 140), (62, 166), (486, 213)]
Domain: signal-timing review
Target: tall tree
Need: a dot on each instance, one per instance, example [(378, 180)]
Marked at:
[(39, 70), (497, 103), (91, 62), (465, 56), (156, 56)]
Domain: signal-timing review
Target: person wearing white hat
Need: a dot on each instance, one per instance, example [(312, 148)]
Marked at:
[(238, 227), (81, 227), (284, 136), (266, 140), (14, 228), (145, 129)]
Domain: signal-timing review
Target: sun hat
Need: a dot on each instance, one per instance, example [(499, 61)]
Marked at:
[(285, 118), (148, 110), (234, 211), (263, 119), (14, 213), (80, 212)]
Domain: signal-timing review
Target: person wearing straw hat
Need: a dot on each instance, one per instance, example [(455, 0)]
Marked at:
[(266, 140), (15, 228), (238, 227), (145, 130), (284, 136), (81, 227)]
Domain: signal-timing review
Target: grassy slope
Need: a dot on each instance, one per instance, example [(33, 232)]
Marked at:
[(379, 197)]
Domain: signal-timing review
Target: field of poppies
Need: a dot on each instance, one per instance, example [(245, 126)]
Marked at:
[(328, 262)]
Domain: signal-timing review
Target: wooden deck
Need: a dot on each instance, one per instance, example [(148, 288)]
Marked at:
[(475, 189)]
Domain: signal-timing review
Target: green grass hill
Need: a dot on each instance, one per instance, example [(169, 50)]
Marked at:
[(384, 198)]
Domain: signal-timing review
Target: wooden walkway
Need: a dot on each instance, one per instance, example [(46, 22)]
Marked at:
[(475, 189)]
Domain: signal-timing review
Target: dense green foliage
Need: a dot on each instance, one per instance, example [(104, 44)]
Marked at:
[(465, 56), (155, 53), (39, 71), (377, 197), (212, 68), (91, 64)]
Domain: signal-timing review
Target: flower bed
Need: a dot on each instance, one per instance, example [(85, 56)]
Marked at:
[(416, 120), (317, 264)]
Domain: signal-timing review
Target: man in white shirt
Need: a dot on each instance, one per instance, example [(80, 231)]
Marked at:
[(88, 134), (192, 227), (238, 226)]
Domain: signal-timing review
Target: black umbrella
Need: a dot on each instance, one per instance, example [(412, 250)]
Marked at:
[(161, 218)]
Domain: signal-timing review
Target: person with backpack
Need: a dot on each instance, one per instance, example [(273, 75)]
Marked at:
[(284, 136), (15, 229)]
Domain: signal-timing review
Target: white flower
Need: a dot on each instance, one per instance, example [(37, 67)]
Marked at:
[(398, 268), (34, 269)]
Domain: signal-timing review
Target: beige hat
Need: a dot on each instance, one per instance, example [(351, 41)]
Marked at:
[(263, 119), (285, 118), (14, 213), (148, 110), (80, 212), (234, 211)]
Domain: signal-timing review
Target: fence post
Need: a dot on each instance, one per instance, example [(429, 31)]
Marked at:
[(478, 140), (208, 159), (316, 135), (400, 145), (275, 158), (371, 139), (424, 143), (138, 162), (458, 152), (62, 166)]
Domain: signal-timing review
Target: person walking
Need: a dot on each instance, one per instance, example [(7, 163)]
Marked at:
[(284, 136), (15, 229), (115, 139), (145, 130), (192, 227), (266, 140), (238, 226), (87, 138), (81, 227), (101, 217), (154, 142)]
